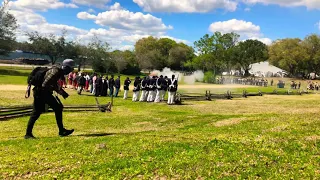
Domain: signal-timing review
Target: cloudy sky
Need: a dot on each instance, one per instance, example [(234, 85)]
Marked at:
[(122, 22)]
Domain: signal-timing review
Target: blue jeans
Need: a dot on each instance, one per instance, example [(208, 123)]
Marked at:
[(111, 91), (117, 91)]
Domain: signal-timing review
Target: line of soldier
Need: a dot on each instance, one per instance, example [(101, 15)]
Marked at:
[(152, 89), (243, 81), (147, 89)]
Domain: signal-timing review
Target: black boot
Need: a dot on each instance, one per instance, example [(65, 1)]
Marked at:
[(65, 132), (29, 136)]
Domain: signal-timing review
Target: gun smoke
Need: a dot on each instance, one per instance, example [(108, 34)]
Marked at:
[(188, 79)]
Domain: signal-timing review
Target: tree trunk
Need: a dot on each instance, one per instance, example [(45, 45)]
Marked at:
[(246, 73)]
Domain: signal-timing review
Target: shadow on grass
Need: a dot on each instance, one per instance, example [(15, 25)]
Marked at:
[(96, 135)]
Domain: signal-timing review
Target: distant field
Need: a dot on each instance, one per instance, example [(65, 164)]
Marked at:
[(268, 137)]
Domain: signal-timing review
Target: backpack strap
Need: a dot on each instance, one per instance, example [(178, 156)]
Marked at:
[(27, 95)]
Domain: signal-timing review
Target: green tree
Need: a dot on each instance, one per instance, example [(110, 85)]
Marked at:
[(179, 55), (146, 53), (100, 57), (311, 44), (48, 45), (249, 52), (8, 25), (288, 54), (119, 60), (215, 51)]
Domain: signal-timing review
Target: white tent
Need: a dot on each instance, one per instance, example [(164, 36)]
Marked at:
[(264, 69)]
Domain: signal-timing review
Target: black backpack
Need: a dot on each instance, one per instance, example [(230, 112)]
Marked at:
[(36, 78)]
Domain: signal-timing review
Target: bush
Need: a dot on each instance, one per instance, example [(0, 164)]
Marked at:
[(131, 70), (209, 77)]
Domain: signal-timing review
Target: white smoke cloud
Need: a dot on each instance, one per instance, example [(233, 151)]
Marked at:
[(189, 79)]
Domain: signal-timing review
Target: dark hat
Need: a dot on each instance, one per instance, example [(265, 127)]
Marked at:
[(68, 62)]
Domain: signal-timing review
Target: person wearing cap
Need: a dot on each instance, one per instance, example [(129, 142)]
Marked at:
[(43, 94)]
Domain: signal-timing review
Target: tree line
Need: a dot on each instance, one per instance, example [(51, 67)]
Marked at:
[(215, 53)]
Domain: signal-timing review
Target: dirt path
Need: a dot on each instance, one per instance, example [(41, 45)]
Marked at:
[(200, 86)]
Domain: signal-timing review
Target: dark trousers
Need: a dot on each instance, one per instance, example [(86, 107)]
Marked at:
[(111, 91), (117, 92), (41, 98)]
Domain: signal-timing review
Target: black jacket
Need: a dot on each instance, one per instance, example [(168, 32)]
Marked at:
[(136, 85), (117, 83), (144, 84), (111, 83), (173, 85), (126, 84)]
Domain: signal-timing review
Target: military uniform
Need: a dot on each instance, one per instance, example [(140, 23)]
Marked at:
[(152, 90), (173, 87), (43, 95), (159, 86), (127, 82), (136, 89), (144, 85)]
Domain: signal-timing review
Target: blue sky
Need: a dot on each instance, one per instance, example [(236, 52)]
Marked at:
[(122, 22)]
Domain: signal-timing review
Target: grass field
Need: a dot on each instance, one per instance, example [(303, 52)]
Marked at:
[(268, 137)]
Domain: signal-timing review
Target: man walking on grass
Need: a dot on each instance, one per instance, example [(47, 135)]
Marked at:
[(117, 86), (45, 82)]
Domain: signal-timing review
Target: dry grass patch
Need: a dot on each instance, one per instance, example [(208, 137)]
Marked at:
[(232, 121), (312, 138)]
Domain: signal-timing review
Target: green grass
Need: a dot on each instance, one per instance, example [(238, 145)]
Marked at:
[(269, 137)]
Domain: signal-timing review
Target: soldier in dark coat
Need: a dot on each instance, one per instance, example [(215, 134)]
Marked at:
[(159, 86), (173, 87), (126, 85), (105, 86), (136, 89), (165, 87), (152, 89), (144, 84)]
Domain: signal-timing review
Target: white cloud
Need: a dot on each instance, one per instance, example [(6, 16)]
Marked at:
[(39, 5), (190, 6), (176, 39), (124, 19), (122, 39), (310, 4), (97, 3), (91, 10), (247, 9), (116, 6), (126, 47), (246, 30), (241, 27), (267, 41)]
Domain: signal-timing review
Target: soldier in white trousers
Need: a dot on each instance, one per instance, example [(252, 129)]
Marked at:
[(127, 82), (173, 87), (152, 90), (136, 89), (144, 85), (159, 84)]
